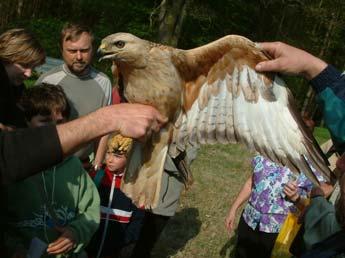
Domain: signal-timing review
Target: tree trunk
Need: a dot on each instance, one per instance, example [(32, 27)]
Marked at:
[(171, 16), (20, 4), (309, 104)]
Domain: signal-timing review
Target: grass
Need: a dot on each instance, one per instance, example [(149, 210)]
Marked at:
[(197, 230)]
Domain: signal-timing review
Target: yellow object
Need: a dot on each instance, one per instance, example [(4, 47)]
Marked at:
[(285, 237), (119, 144)]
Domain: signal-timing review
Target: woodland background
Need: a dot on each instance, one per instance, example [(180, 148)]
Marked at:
[(197, 230), (314, 25)]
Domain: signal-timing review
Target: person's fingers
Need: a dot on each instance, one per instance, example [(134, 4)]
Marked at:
[(227, 222), (292, 185), (155, 119), (161, 119), (230, 227), (268, 66), (6, 127), (61, 246), (269, 47), (155, 126)]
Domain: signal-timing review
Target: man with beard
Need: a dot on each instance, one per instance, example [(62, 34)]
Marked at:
[(86, 88)]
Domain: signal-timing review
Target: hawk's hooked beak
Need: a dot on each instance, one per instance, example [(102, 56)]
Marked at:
[(101, 52)]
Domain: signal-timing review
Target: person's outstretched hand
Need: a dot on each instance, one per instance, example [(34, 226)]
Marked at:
[(290, 60), (230, 221), (136, 120)]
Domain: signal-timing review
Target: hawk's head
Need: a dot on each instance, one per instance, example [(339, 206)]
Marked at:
[(125, 48)]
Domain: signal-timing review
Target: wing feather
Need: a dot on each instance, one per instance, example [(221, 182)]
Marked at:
[(236, 104)]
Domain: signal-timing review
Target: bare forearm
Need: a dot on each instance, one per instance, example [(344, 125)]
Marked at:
[(243, 195), (101, 150), (82, 130), (131, 120), (313, 66)]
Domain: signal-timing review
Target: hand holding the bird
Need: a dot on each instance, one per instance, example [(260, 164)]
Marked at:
[(290, 60), (136, 120)]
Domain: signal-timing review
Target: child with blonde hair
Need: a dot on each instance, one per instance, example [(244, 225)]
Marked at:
[(121, 220)]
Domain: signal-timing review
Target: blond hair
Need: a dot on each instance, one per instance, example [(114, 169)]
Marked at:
[(21, 47), (119, 144)]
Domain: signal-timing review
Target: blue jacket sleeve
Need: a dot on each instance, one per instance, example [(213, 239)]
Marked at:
[(330, 88)]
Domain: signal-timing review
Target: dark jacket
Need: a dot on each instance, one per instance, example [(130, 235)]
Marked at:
[(122, 217), (25, 152), (330, 88), (10, 114)]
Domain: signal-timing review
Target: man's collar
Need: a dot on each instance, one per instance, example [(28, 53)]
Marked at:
[(68, 71)]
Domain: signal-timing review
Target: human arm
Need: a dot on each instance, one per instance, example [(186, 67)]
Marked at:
[(100, 145), (131, 120), (290, 60), (328, 82), (319, 220), (291, 192), (24, 152), (65, 243), (329, 86), (27, 151), (242, 197), (100, 150)]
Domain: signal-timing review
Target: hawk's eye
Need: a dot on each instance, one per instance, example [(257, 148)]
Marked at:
[(119, 44)]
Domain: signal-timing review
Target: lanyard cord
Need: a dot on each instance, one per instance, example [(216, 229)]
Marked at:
[(48, 206), (107, 216)]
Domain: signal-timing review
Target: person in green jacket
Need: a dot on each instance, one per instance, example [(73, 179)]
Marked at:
[(56, 212)]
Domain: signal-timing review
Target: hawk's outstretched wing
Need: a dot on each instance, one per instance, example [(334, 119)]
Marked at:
[(227, 101)]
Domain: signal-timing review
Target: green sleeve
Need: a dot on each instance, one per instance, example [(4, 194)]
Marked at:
[(334, 113), (87, 220), (319, 222)]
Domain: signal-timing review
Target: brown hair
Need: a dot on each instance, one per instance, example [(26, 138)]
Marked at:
[(21, 47), (44, 99), (72, 31)]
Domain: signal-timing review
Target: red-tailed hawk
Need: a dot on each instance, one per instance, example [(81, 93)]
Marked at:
[(211, 94)]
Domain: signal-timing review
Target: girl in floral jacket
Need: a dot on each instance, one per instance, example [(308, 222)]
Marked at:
[(272, 191)]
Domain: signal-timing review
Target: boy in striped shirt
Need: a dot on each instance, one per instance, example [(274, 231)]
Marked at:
[(121, 220)]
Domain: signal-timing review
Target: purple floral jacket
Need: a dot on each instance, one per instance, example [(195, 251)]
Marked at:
[(267, 206)]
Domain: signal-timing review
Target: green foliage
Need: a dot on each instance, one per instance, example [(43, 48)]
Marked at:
[(321, 134), (209, 20), (316, 26)]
